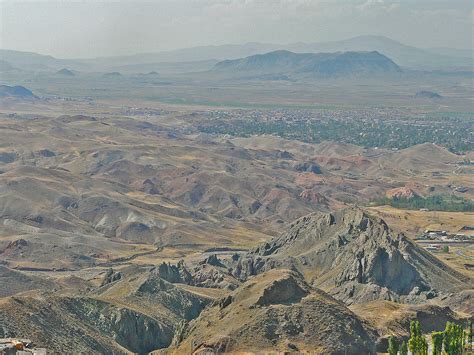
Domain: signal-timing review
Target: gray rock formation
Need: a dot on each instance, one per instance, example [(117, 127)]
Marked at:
[(174, 273), (355, 256), (277, 310), (73, 325), (211, 272), (111, 276), (157, 291)]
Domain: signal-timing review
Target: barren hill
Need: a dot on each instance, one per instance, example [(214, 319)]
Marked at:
[(422, 157)]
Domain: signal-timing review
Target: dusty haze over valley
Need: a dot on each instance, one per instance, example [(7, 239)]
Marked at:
[(226, 177)]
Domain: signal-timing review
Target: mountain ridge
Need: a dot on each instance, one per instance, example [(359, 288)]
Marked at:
[(320, 65), (405, 55), (276, 310), (355, 257)]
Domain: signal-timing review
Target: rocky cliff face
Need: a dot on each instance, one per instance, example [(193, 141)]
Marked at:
[(276, 311), (208, 273), (354, 256), (72, 325), (133, 310), (134, 331), (157, 291)]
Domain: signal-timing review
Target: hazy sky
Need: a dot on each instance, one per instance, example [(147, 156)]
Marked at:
[(69, 29)]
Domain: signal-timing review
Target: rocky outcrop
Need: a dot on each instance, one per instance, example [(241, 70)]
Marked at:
[(134, 331), (72, 325), (308, 167), (461, 301), (210, 272), (276, 311), (313, 197), (155, 290), (212, 260), (401, 193), (206, 275), (174, 273), (14, 245), (111, 276), (285, 290), (355, 256)]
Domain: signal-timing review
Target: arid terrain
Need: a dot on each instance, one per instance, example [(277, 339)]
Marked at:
[(227, 211)]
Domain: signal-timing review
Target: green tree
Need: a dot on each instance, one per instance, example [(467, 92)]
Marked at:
[(446, 249), (392, 346), (447, 342), (437, 338), (468, 334), (412, 340), (417, 342), (453, 339), (404, 348), (423, 345)]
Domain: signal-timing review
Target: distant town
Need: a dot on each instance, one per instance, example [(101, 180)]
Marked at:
[(372, 127)]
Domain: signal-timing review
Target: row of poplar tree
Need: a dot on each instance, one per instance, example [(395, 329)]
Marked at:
[(452, 341)]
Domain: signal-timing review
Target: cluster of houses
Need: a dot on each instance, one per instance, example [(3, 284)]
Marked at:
[(444, 236), (15, 346)]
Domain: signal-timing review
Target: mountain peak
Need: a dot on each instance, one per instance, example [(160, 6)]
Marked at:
[(355, 256), (280, 303)]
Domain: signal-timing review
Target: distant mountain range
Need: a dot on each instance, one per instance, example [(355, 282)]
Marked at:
[(320, 65), (37, 62), (404, 55)]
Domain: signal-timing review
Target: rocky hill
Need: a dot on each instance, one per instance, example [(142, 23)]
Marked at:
[(81, 325), (275, 311), (355, 257), (133, 310), (319, 65)]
